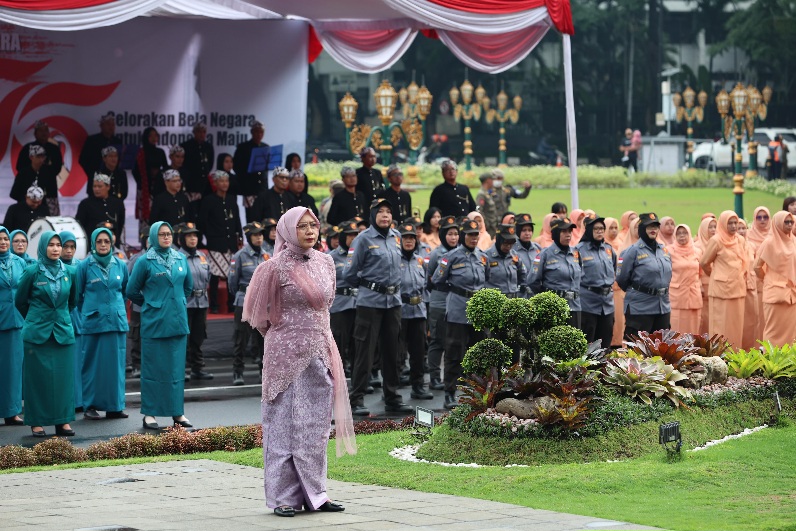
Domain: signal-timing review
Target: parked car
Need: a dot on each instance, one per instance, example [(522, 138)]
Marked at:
[(718, 155)]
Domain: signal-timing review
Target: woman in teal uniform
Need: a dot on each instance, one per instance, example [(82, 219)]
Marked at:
[(11, 269), (68, 250), (45, 296), (160, 283), (101, 284), (19, 246)]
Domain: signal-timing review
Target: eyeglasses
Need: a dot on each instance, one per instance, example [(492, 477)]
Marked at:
[(598, 229), (106, 241), (761, 218), (164, 235), (304, 227)]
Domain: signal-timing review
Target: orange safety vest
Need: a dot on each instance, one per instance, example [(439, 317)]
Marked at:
[(774, 151)]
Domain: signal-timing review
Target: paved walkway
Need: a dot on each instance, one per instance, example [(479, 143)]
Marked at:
[(208, 495)]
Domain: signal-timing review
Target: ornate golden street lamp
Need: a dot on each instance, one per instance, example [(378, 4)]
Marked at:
[(416, 106), (735, 124), (469, 109), (757, 108), (690, 110), (389, 133), (502, 115)]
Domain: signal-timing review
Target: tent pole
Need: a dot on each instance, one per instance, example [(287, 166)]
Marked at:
[(572, 142)]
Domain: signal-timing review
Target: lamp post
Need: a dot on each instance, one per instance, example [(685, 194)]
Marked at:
[(387, 135), (756, 109), (502, 115), (690, 111), (469, 109), (416, 106), (735, 124)]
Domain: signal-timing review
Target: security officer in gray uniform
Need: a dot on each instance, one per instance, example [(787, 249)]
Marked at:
[(438, 297), (462, 271), (526, 248), (645, 271), (596, 284), (413, 310), (374, 265), (269, 236), (242, 267), (344, 308), (198, 303), (504, 270), (557, 268)]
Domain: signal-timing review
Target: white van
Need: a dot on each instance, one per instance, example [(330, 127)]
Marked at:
[(717, 156)]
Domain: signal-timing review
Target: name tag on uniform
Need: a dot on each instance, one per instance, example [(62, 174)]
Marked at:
[(642, 256), (493, 264), (340, 265), (93, 280), (42, 283), (457, 266), (246, 264), (160, 274), (587, 258), (373, 246), (554, 261)]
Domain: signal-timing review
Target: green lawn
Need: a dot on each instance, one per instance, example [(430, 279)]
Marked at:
[(685, 205)]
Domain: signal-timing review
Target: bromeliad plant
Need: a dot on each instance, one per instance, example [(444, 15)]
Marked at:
[(668, 345), (646, 379)]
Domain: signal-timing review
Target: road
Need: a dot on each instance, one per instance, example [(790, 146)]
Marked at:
[(207, 403)]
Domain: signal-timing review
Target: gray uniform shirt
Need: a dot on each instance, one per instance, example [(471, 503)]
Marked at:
[(463, 269), (241, 269), (413, 284), (200, 271), (526, 257), (374, 257), (599, 271), (505, 273), (341, 302), (556, 270), (438, 294), (650, 268)]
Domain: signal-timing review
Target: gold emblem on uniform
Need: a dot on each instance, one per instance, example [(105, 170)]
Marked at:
[(652, 216), (511, 230)]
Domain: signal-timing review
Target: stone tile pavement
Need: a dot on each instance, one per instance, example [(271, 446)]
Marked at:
[(208, 495)]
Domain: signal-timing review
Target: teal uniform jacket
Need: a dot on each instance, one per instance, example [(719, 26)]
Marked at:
[(162, 297), (10, 318), (45, 317), (100, 300)]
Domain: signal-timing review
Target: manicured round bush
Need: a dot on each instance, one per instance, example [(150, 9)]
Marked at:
[(484, 307), (549, 310), (487, 353), (516, 313), (562, 343)]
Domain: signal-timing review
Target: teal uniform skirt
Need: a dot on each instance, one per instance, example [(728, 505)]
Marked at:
[(163, 376), (48, 383), (103, 370), (10, 372)]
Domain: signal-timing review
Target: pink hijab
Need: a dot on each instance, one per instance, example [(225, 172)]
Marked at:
[(262, 308), (484, 239)]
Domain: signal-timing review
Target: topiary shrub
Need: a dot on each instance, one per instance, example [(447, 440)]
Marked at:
[(562, 343), (484, 308), (549, 310), (517, 313), (57, 451), (484, 355), (13, 456)]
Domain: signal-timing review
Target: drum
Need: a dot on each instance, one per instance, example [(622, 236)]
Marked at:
[(58, 224)]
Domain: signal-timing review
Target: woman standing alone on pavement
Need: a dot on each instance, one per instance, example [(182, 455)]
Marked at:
[(288, 301)]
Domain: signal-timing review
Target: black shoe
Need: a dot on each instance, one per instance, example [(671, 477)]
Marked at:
[(369, 390), (116, 415), (60, 431), (201, 375), (12, 421), (360, 411), (187, 377), (332, 507), (150, 425), (40, 433), (214, 309), (78, 410), (399, 407), (374, 382), (91, 414), (285, 511), (450, 400), (436, 384), (420, 393), (237, 378), (404, 381), (136, 373), (184, 423), (406, 372)]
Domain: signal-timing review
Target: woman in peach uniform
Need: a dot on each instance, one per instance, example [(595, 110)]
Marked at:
[(725, 259), (545, 239), (624, 221), (761, 227), (707, 228), (752, 329), (666, 235), (776, 265), (685, 288)]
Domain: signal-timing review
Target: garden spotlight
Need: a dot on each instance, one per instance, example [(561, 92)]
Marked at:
[(670, 433), (424, 421)]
